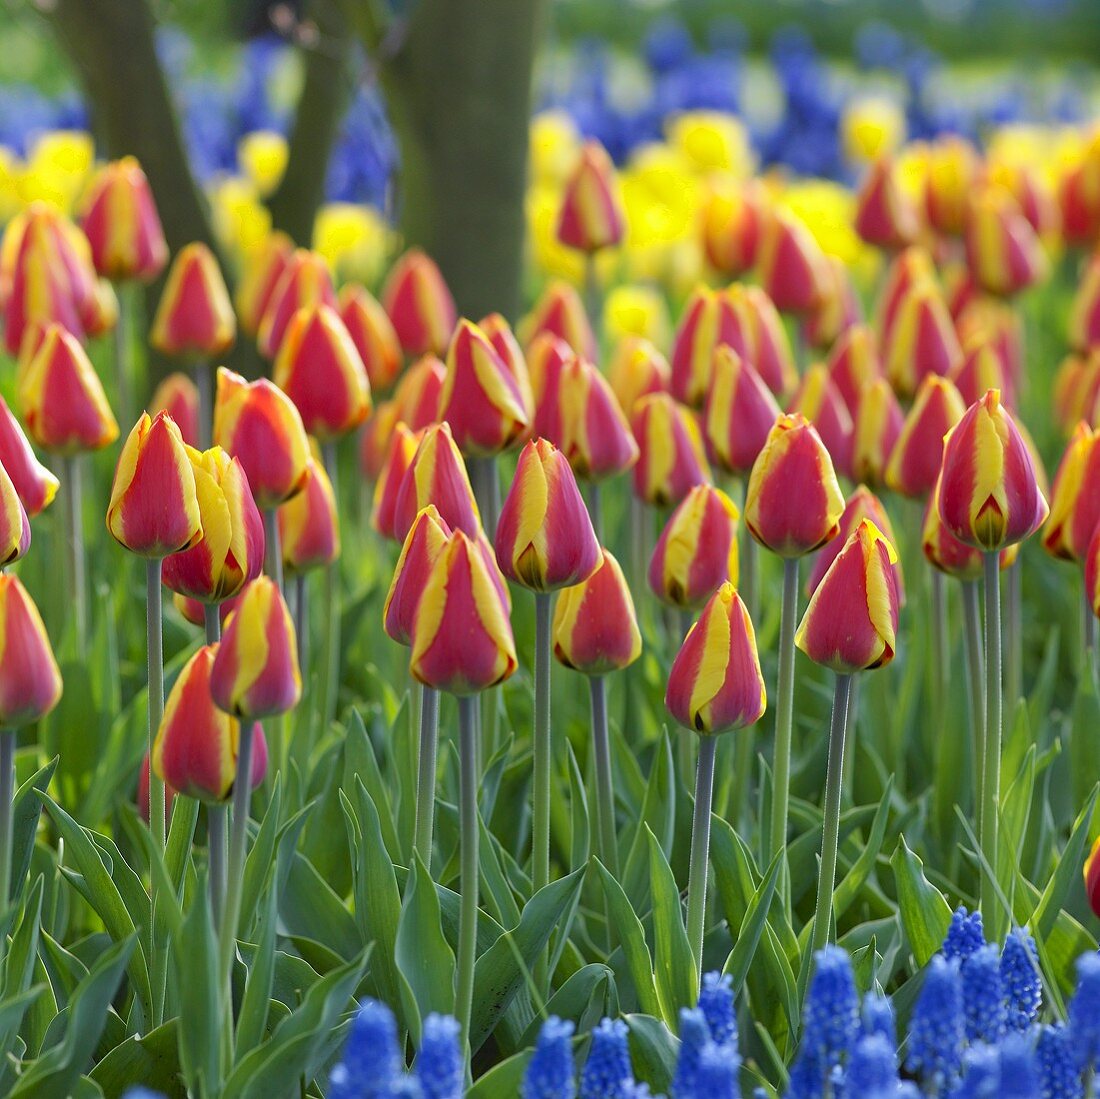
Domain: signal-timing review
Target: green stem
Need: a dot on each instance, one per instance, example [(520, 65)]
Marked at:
[(273, 554), (212, 623), (123, 351), (593, 299), (750, 573), (830, 829), (605, 789), (215, 845), (640, 525), (330, 660), (1088, 632), (940, 645), (975, 673), (468, 842), (7, 802), (204, 383), (72, 472), (1014, 635), (301, 619), (700, 849), (991, 763), (156, 694), (784, 710), (595, 509), (485, 480), (426, 773), (540, 820)]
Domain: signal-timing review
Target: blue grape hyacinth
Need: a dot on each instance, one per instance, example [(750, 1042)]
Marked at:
[(549, 1073), (937, 1030), (439, 1068), (607, 1070), (983, 995), (964, 936), (1023, 987)]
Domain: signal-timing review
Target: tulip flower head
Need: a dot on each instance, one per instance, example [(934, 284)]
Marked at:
[(544, 536), (230, 551), (981, 369), (762, 338), (259, 424), (1074, 501), (419, 304), (851, 622), (591, 215), (34, 483), (953, 168), (154, 509), (372, 333), (595, 438), (989, 495), (731, 224), (878, 425), (499, 333), (821, 403), (263, 269), (791, 265), (1002, 249), (309, 524), (921, 340), (560, 312), (637, 369), (376, 437), (546, 360), (425, 541), (707, 322), (255, 671), (838, 311), (122, 225), (195, 316), (946, 553), (436, 475), (910, 268), (914, 465), (595, 628), (853, 362), (305, 281), (715, 683), (15, 527), (1084, 318), (739, 413), (179, 397), (793, 502), (671, 459), (30, 681), (417, 394), (861, 504), (402, 450), (885, 215)]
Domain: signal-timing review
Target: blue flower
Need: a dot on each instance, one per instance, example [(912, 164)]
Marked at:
[(807, 1078), (439, 1065), (694, 1036), (549, 1073), (1059, 1070), (878, 1017), (964, 936), (1019, 1068), (831, 1016), (983, 996), (372, 1065), (716, 1004), (873, 1066), (1084, 1010), (1023, 987), (716, 1076), (936, 1031), (607, 1070), (981, 1077)]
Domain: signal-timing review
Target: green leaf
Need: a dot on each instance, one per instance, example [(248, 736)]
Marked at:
[(309, 907), (752, 927), (1067, 874), (252, 1021), (628, 927), (852, 882), (653, 1050), (571, 1001), (196, 958), (674, 965), (924, 911), (25, 815), (143, 1060), (659, 815)]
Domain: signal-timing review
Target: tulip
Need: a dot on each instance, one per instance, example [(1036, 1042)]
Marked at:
[(591, 215), (319, 369), (546, 359), (419, 304), (637, 369), (853, 362), (708, 321), (195, 316), (262, 271), (821, 403), (417, 394), (861, 504), (997, 323), (671, 458), (305, 281), (437, 475), (791, 265), (376, 438), (878, 425), (34, 483), (732, 223), (885, 214), (1092, 877), (850, 626), (560, 312), (402, 450), (914, 465), (1084, 318), (1002, 250), (953, 167), (981, 370), (373, 335), (911, 268), (1075, 390), (499, 333), (838, 311), (595, 629), (715, 685), (763, 339), (1034, 196), (178, 395), (739, 413), (1079, 198), (309, 525), (921, 341), (121, 223)]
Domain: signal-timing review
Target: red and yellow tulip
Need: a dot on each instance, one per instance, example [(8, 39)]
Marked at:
[(194, 316), (914, 465), (436, 475), (595, 436), (309, 524), (305, 281), (34, 483), (591, 215), (595, 628), (30, 681), (121, 223), (419, 304), (426, 540), (373, 335), (671, 459)]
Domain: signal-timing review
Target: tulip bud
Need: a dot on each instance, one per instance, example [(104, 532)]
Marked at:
[(1033, 195), (911, 268), (637, 369), (419, 303), (853, 363), (1074, 502), (1084, 318), (915, 462), (319, 369), (195, 316), (499, 333), (763, 339), (591, 215), (707, 322), (671, 459), (1071, 379), (309, 524), (122, 225), (196, 748), (304, 282), (259, 424), (793, 502), (697, 550), (15, 527), (375, 438), (740, 411), (878, 425), (544, 536), (372, 333), (851, 622), (560, 312), (1092, 572), (402, 450), (417, 394), (1002, 250), (715, 683), (262, 271), (595, 628), (437, 475), (862, 504), (230, 551), (34, 483), (480, 398), (922, 340), (426, 540), (989, 496), (461, 637), (546, 359), (885, 215), (953, 167), (30, 682), (255, 671), (791, 265), (997, 323), (1092, 877), (1079, 198), (821, 403), (178, 395), (981, 369), (732, 223), (596, 438), (839, 310)]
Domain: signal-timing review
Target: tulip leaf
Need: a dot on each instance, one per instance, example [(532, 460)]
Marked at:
[(252, 1019), (674, 966), (196, 957), (925, 913), (653, 1050), (848, 889), (1067, 874), (628, 927), (752, 926), (143, 1060), (25, 816)]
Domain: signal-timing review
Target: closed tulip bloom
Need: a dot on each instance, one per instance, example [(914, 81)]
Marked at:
[(708, 320), (1002, 249), (793, 502), (425, 541), (989, 497), (178, 395), (15, 527), (196, 747), (480, 398), (1074, 501), (30, 681), (1084, 317), (154, 508), (544, 536), (637, 369), (1034, 196), (461, 638), (878, 425), (1079, 199), (437, 475), (61, 399), (981, 369), (731, 225), (952, 170), (715, 683), (914, 465), (942, 549), (998, 323), (838, 311), (259, 424), (1092, 877), (402, 450), (697, 550), (885, 215), (861, 504), (373, 335), (1070, 380), (499, 333), (546, 359), (851, 622), (791, 265), (262, 271), (739, 413), (854, 362), (194, 316), (419, 303), (821, 403), (913, 267), (671, 458), (595, 628), (1092, 572), (122, 225), (596, 438), (922, 340), (255, 671), (376, 436), (591, 215), (560, 312), (762, 338), (305, 281), (34, 483), (230, 552), (319, 369), (309, 524), (417, 394)]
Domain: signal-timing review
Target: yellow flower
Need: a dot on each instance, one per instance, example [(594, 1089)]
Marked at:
[(11, 170), (262, 156), (631, 310), (554, 147), (58, 167), (713, 141), (828, 210), (241, 221), (353, 239), (871, 126)]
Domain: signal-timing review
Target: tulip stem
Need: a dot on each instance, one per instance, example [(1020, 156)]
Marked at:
[(975, 673), (330, 612), (204, 384), (1015, 636), (639, 537), (540, 823), (7, 808), (238, 835), (830, 824), (700, 849), (595, 509), (486, 485), (593, 304), (750, 572), (426, 773), (301, 618), (212, 622), (784, 710), (1089, 637), (215, 845), (156, 695), (468, 841), (72, 471), (124, 345), (273, 556), (991, 748), (605, 788)]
